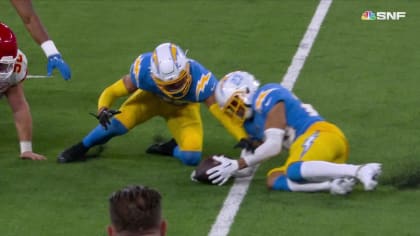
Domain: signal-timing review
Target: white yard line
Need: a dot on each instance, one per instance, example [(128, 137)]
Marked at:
[(38, 77), (240, 187), (305, 45)]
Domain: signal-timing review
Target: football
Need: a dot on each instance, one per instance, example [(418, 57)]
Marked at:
[(199, 174)]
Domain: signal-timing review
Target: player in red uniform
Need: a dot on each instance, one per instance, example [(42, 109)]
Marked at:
[(13, 70)]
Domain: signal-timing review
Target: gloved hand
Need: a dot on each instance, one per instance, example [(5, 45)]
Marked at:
[(222, 172), (55, 61), (247, 144), (104, 116)]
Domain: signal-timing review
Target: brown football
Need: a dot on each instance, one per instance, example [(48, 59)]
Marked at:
[(199, 173)]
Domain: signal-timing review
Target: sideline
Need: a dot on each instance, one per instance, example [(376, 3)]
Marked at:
[(240, 187)]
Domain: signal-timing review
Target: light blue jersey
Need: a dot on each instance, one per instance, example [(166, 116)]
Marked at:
[(299, 116), (202, 86)]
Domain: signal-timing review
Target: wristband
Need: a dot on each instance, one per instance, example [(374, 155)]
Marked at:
[(25, 146), (49, 48)]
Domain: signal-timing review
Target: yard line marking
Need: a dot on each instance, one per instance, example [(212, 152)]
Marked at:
[(305, 45), (231, 205), (240, 187), (38, 76)]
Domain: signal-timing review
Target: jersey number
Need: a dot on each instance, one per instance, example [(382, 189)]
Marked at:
[(18, 64), (309, 109)]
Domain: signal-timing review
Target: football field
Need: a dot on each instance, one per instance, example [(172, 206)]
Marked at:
[(360, 74)]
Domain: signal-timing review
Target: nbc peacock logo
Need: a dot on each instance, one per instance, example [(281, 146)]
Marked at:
[(368, 15)]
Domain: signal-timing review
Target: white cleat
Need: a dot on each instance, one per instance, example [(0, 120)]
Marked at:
[(368, 174), (342, 186)]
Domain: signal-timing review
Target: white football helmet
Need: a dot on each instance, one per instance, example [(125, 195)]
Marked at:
[(234, 94), (170, 69), (8, 51)]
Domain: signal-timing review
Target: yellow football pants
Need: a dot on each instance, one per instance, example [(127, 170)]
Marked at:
[(183, 121), (323, 141)]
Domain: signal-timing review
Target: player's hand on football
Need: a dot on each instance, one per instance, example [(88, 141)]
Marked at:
[(32, 156), (104, 116), (222, 172), (56, 61)]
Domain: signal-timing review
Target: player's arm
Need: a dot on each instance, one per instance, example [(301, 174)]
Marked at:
[(274, 131), (31, 20), (234, 128), (39, 33), (23, 121), (121, 88)]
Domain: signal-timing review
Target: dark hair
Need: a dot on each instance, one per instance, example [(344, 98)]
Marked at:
[(135, 209)]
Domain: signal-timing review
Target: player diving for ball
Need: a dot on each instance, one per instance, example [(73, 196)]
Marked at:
[(161, 83), (274, 117)]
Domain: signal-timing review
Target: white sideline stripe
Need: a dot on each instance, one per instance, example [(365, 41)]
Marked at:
[(38, 76), (240, 187)]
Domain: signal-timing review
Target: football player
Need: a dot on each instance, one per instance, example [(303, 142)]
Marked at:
[(161, 83), (275, 117), (13, 70), (38, 32)]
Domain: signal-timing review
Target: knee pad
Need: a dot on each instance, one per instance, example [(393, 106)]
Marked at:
[(294, 173), (190, 158)]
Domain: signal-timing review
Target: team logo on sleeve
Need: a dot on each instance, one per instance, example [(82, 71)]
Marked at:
[(260, 99), (201, 84), (136, 68)]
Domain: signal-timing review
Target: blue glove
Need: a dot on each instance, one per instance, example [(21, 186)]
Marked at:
[(55, 61)]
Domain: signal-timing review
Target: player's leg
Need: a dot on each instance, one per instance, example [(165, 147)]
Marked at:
[(135, 110), (187, 129), (322, 146), (315, 144), (165, 148), (277, 180), (320, 155)]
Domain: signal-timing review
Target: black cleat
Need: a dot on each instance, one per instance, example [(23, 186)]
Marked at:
[(166, 149), (74, 153)]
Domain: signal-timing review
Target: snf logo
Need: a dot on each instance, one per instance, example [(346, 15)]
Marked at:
[(383, 15)]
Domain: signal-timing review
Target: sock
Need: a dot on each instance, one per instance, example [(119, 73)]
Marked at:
[(320, 171), (281, 184), (100, 136), (284, 184), (308, 187), (190, 158)]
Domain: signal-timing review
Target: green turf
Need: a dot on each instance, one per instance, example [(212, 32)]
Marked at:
[(359, 75)]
